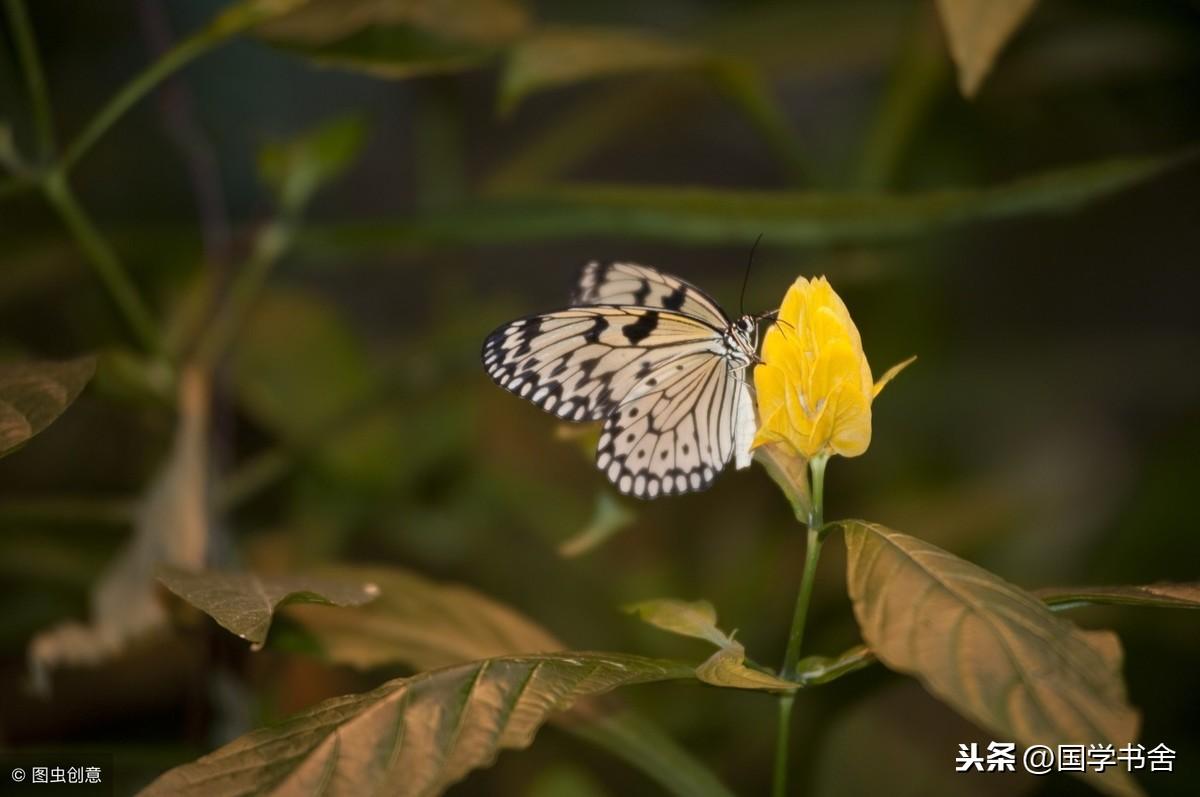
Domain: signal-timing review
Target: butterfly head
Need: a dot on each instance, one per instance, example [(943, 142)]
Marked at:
[(742, 340)]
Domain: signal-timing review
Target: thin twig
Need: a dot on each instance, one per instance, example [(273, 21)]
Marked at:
[(179, 118), (35, 78)]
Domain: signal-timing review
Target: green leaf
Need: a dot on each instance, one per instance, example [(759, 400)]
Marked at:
[(34, 394), (608, 518), (295, 167), (727, 668), (237, 17), (299, 369), (427, 625), (245, 603), (419, 622), (399, 40), (297, 363), (989, 649), (977, 31), (411, 736), (556, 56), (695, 618), (1163, 595), (711, 216), (813, 670)]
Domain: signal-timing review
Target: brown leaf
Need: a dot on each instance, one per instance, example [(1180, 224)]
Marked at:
[(412, 736), (558, 56), (426, 624), (1164, 595), (34, 394), (244, 603), (989, 649), (977, 31), (419, 622)]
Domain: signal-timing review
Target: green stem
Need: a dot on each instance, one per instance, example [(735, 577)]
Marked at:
[(812, 554), (122, 290), (58, 192), (269, 246), (233, 20), (35, 78), (779, 782), (133, 91)]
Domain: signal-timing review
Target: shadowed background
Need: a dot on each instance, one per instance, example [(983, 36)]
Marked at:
[(1048, 431)]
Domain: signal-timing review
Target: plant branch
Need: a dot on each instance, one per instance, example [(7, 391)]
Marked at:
[(58, 193), (122, 290), (812, 554), (269, 245), (179, 119), (234, 20), (35, 78)]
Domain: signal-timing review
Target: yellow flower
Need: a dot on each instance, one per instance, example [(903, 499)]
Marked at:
[(814, 386)]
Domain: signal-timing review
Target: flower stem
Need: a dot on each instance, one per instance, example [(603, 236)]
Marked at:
[(812, 555), (779, 782)]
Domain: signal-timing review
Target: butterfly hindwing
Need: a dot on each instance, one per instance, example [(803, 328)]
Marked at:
[(642, 286), (677, 434), (581, 363)]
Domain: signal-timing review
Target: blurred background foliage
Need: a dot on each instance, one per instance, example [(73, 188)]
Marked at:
[(1035, 245)]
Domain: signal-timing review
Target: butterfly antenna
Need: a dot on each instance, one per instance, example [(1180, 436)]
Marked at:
[(746, 276), (774, 318)]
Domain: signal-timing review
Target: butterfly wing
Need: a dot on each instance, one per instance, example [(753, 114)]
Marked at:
[(679, 428), (581, 363), (642, 286)]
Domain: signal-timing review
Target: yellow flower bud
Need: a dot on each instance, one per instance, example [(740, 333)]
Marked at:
[(814, 386)]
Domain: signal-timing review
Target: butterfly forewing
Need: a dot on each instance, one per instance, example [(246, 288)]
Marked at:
[(642, 286), (647, 355), (583, 362)]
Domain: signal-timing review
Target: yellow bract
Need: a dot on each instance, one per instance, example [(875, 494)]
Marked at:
[(814, 386)]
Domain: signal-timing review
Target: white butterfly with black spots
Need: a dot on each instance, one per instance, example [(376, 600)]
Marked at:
[(652, 356)]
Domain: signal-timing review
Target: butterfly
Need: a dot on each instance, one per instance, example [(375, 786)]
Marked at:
[(652, 356)]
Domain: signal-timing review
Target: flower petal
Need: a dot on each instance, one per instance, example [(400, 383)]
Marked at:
[(890, 374)]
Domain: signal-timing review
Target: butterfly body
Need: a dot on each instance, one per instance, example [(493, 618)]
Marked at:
[(653, 357)]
